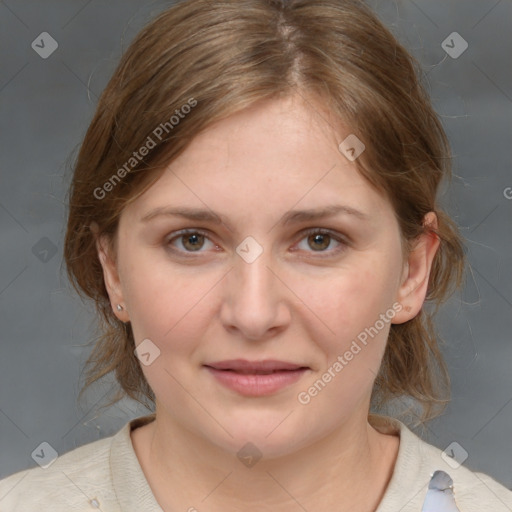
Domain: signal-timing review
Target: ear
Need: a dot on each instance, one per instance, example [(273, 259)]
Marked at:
[(110, 273), (415, 277)]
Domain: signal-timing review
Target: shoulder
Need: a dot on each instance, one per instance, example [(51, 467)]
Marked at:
[(71, 482), (473, 491), (415, 465)]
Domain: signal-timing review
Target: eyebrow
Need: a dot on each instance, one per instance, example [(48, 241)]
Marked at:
[(290, 217)]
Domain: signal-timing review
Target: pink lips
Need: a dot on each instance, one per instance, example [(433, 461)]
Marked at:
[(256, 378)]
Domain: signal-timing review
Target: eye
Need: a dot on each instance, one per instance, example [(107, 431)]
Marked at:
[(319, 240), (193, 240), (189, 240)]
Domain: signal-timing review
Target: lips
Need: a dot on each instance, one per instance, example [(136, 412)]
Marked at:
[(256, 378), (255, 367)]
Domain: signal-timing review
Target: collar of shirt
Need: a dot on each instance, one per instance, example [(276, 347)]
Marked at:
[(415, 468)]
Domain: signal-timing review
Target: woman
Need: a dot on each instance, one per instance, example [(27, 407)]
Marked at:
[(254, 213)]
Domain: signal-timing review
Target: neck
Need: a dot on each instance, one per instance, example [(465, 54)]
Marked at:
[(347, 470)]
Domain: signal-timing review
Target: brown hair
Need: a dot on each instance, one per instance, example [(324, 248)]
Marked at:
[(225, 56)]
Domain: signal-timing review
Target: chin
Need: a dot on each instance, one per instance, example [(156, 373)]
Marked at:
[(266, 435)]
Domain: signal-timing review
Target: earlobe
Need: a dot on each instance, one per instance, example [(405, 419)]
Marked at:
[(111, 275), (415, 278)]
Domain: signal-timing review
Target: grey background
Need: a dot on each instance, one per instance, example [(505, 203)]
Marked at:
[(46, 105)]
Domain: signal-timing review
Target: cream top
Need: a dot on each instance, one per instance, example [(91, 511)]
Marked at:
[(106, 475)]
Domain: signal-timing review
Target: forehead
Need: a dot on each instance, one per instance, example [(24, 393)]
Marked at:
[(277, 130), (265, 160)]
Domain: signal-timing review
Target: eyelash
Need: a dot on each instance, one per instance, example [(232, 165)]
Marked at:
[(312, 231)]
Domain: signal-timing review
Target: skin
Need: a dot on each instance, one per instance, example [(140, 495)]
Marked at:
[(301, 301)]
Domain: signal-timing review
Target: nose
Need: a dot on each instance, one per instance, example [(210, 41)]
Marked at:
[(254, 304)]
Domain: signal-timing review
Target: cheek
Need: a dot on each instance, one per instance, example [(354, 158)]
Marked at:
[(347, 326), (348, 300), (167, 305), (174, 313)]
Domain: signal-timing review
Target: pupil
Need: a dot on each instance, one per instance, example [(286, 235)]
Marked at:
[(191, 242), (321, 239)]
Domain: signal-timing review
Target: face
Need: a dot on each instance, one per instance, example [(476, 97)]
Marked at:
[(243, 278)]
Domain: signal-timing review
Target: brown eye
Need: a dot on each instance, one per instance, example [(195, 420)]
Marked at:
[(188, 241), (193, 241), (322, 242), (319, 241)]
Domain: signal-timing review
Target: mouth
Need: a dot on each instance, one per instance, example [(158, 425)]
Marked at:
[(255, 367), (256, 378)]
